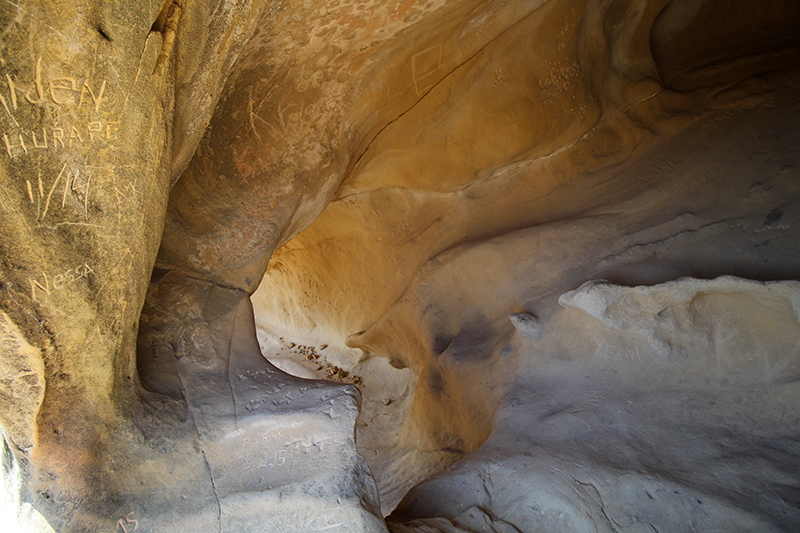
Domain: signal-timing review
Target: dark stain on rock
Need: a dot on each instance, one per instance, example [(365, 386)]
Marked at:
[(773, 216), (436, 381), (441, 342)]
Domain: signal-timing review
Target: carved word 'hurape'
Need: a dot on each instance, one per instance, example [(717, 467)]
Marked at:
[(23, 142)]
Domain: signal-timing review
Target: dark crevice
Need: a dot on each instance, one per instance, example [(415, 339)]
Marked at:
[(104, 33), (159, 22), (214, 488), (228, 365), (203, 453), (167, 24)]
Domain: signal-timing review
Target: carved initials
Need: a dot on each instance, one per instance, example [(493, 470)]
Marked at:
[(125, 523)]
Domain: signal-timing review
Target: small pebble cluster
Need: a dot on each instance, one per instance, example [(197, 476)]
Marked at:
[(332, 372)]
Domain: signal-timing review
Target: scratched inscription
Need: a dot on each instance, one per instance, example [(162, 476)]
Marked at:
[(28, 141), (329, 520), (424, 66), (126, 524), (254, 456), (62, 194), (63, 197), (47, 284), (272, 449), (74, 184), (64, 92)]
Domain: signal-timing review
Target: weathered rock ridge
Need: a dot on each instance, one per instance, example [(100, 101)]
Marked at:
[(549, 251)]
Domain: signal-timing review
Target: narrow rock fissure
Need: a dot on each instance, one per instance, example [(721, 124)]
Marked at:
[(431, 88), (214, 488)]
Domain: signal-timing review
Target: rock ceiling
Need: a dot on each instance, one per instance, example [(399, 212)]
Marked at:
[(530, 265)]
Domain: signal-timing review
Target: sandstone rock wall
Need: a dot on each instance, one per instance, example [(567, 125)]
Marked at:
[(397, 179)]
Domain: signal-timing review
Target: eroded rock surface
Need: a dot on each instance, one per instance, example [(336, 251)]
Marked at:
[(420, 192), (665, 408), (425, 273)]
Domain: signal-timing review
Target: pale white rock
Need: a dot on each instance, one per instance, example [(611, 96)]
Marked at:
[(528, 325)]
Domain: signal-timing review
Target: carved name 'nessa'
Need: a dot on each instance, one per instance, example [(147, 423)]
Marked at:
[(59, 281)]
